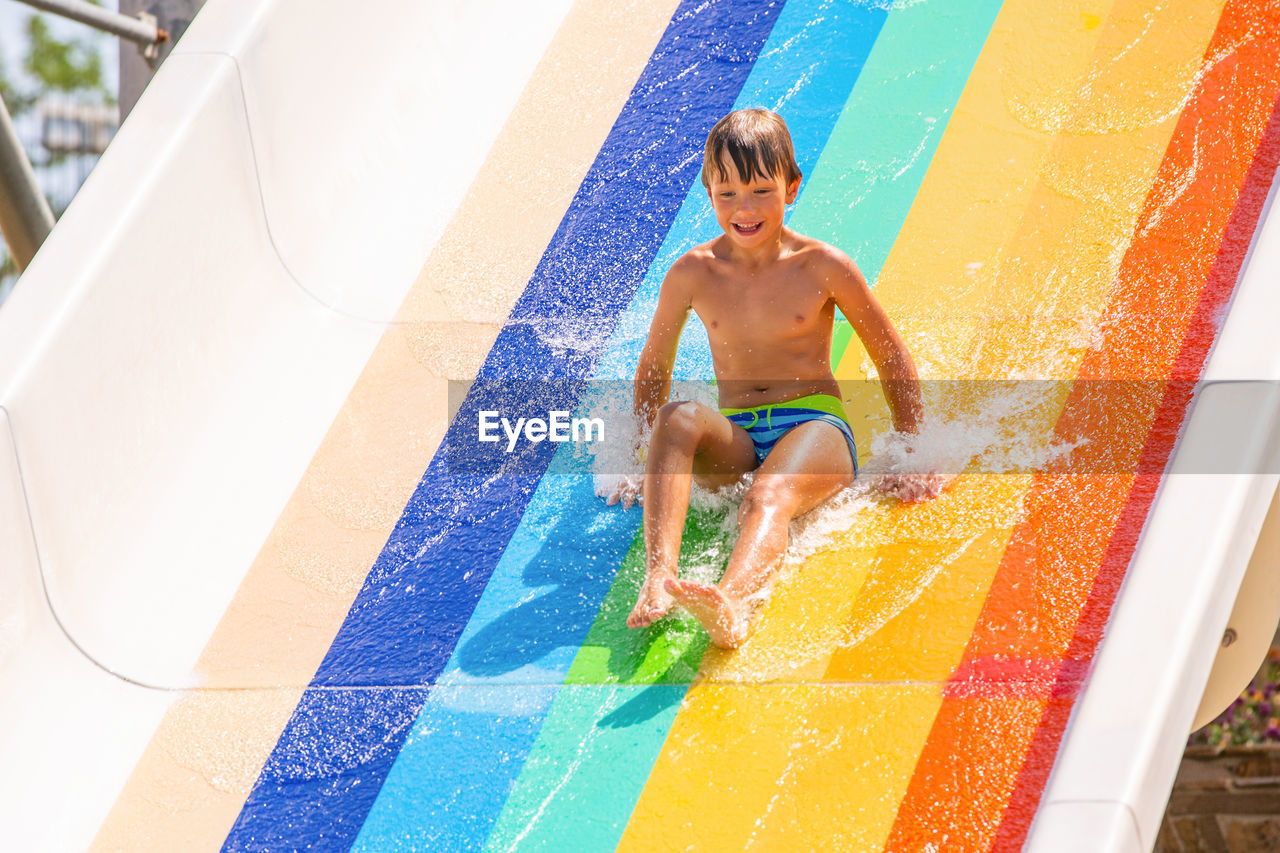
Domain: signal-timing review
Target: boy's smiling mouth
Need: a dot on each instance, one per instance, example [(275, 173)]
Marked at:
[(747, 227)]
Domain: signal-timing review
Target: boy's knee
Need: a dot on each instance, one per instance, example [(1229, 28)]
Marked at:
[(768, 495), (679, 422)]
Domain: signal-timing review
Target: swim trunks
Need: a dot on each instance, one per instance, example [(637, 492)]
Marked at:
[(766, 424)]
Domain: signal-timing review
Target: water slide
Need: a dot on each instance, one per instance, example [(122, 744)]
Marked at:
[(263, 590)]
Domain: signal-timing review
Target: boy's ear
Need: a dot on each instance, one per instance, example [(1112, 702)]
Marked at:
[(792, 190)]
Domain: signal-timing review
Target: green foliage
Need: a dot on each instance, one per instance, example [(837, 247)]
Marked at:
[(62, 66), (54, 66), (71, 67), (15, 101)]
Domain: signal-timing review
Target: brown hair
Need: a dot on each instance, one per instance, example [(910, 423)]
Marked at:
[(758, 143)]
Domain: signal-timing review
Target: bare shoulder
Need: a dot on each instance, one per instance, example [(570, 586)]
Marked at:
[(696, 260), (692, 268), (834, 268)]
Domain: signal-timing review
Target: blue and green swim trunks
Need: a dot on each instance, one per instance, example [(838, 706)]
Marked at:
[(766, 424)]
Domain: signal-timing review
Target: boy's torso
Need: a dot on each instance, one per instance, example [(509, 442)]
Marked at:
[(769, 326)]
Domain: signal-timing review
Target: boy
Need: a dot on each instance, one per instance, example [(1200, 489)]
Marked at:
[(767, 297)]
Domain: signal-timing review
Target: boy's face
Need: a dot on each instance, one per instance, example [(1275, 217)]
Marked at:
[(750, 212)]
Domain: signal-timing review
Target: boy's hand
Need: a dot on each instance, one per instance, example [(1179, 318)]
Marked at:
[(913, 488), (627, 489)]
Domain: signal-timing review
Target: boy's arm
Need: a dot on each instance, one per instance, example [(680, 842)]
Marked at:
[(658, 356), (653, 373), (897, 372), (893, 362)]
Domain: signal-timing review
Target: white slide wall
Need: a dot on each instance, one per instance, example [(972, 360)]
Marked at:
[(175, 352), (173, 356)]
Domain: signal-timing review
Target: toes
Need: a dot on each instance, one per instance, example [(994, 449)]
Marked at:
[(698, 592), (658, 609), (648, 612)]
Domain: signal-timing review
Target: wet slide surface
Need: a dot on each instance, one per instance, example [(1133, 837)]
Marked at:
[(1037, 190)]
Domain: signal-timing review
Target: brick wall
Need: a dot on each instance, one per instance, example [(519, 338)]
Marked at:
[(1224, 802)]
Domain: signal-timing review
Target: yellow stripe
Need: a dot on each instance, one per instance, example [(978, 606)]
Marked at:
[(191, 782), (1003, 262), (801, 737)]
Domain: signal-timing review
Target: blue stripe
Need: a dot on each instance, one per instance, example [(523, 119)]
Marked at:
[(767, 431), (420, 593), (334, 754), (772, 424), (551, 580), (767, 437), (313, 792)]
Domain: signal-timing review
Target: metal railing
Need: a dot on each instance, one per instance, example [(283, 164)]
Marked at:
[(25, 216)]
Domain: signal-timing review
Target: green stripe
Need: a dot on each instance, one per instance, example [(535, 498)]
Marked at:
[(624, 686), (840, 337), (669, 651)]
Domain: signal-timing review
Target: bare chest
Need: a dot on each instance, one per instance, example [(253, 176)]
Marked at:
[(765, 308)]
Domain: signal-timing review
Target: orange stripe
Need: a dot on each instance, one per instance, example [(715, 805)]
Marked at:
[(1188, 366), (977, 750)]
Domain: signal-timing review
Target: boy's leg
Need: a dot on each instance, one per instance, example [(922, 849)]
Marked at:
[(689, 439), (808, 465)]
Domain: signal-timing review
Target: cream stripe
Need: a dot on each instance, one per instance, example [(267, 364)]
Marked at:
[(191, 782)]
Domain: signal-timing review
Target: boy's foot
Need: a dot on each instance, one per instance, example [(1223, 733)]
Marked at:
[(723, 618), (652, 604)]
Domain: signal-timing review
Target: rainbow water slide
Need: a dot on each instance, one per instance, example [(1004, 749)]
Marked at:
[(255, 599)]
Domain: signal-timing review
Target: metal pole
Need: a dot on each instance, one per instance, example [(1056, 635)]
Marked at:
[(25, 217), (140, 31)]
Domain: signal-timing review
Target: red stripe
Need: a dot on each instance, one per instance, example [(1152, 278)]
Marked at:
[(995, 677)]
